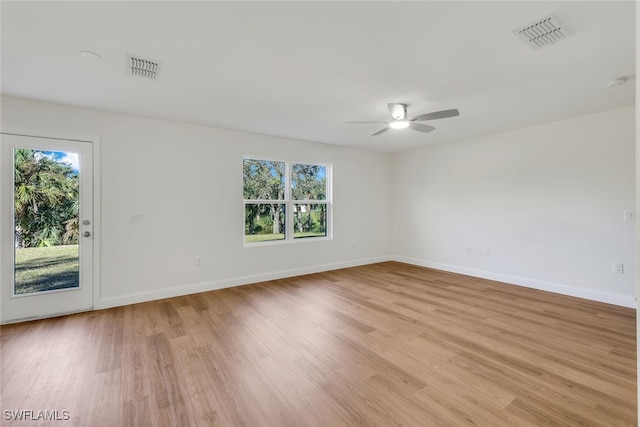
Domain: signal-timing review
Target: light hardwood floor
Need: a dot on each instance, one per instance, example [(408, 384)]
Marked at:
[(381, 345)]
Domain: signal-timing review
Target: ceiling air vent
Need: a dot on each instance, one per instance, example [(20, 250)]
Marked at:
[(141, 67), (544, 32)]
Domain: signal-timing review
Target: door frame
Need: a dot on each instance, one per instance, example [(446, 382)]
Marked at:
[(97, 211)]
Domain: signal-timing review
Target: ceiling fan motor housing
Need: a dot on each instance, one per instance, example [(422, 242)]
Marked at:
[(398, 111)]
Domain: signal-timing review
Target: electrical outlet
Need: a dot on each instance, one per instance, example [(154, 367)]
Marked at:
[(629, 216), (617, 268), (198, 261), (469, 250), (486, 251)]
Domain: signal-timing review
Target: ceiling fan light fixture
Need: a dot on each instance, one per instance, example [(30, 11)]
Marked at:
[(399, 124)]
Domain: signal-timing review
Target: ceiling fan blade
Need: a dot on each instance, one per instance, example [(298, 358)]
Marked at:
[(350, 123), (437, 115), (398, 111), (420, 127), (383, 130)]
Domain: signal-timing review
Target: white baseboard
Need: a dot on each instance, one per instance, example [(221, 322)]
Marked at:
[(137, 297), (615, 299)]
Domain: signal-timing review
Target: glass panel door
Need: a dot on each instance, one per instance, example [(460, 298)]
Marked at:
[(46, 226)]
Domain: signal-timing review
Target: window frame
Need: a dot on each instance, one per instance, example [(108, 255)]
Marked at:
[(289, 203)]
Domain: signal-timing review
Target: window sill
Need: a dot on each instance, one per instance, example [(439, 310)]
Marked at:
[(286, 242)]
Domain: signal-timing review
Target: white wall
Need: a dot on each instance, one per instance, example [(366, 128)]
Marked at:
[(547, 200), (187, 182)]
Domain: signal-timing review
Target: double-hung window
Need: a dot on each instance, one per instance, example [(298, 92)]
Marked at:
[(285, 201)]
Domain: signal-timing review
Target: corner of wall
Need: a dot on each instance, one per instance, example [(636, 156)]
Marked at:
[(615, 299)]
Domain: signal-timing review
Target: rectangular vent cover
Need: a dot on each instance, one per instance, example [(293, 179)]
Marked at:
[(144, 68), (544, 32)]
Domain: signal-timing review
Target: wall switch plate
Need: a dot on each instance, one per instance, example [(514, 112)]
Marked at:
[(469, 250), (617, 268), (629, 216), (136, 219), (486, 251)]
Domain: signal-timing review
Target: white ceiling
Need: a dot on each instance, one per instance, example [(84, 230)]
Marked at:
[(301, 69)]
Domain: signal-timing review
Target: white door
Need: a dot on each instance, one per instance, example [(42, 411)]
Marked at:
[(46, 227)]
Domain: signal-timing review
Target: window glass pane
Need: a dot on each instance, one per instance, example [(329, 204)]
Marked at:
[(46, 212), (309, 220), (264, 222), (263, 180), (308, 182)]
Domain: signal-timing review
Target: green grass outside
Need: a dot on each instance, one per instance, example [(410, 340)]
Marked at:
[(263, 237), (270, 237), (46, 269)]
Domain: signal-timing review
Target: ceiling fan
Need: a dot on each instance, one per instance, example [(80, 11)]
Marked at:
[(401, 120)]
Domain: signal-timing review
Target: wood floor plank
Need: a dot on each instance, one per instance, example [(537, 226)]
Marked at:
[(379, 345)]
